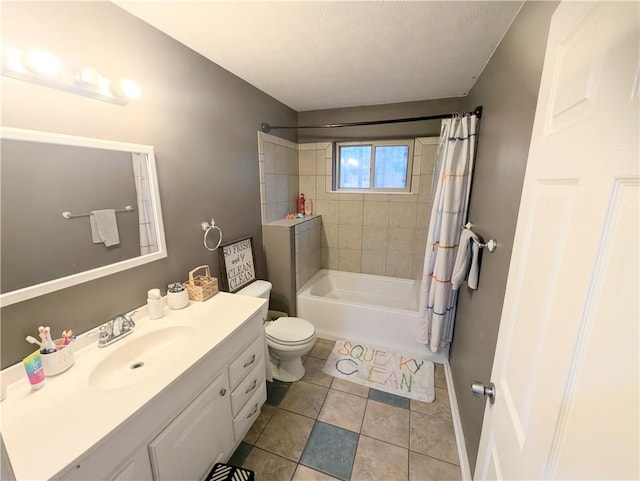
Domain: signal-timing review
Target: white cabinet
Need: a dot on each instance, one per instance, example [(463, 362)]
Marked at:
[(249, 391), (199, 437), (182, 432), (208, 430), (245, 362), (134, 467), (251, 384)]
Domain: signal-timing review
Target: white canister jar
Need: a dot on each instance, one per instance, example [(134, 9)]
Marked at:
[(155, 308), (178, 300)]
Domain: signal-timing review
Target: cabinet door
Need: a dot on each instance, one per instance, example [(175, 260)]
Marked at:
[(135, 469), (100, 466), (199, 437)]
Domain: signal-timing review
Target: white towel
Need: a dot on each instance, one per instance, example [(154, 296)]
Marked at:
[(468, 251), (104, 227)]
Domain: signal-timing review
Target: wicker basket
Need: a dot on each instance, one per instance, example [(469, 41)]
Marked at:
[(201, 288)]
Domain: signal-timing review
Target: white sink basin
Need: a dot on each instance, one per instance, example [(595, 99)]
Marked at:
[(139, 359)]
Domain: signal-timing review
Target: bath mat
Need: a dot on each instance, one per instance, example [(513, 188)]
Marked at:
[(380, 369)]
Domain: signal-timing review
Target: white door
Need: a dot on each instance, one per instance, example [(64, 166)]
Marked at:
[(566, 365)]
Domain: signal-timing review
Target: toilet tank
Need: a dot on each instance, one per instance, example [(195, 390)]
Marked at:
[(260, 289), (256, 289)]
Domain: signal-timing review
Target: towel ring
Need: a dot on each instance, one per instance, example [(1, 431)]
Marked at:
[(206, 227)]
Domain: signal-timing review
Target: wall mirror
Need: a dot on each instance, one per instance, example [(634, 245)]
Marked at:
[(57, 226)]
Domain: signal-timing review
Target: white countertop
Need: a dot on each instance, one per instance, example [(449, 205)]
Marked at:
[(71, 415)]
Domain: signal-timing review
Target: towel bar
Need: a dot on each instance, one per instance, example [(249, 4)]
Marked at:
[(69, 215)]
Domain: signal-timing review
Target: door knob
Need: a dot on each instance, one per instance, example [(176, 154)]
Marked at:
[(480, 389)]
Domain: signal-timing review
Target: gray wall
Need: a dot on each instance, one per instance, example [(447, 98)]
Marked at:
[(201, 119), (377, 112), (508, 90)]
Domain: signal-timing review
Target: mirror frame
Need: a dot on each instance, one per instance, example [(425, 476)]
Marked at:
[(53, 285)]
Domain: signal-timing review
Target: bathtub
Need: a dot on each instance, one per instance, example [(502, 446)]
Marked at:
[(375, 310)]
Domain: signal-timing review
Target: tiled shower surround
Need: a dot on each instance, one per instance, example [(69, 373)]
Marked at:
[(383, 234)]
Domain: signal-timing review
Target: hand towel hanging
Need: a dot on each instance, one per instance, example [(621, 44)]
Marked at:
[(104, 227), (468, 250)]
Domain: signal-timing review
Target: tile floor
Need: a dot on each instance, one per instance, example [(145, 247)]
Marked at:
[(323, 428)]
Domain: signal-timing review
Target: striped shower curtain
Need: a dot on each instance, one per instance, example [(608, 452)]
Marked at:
[(452, 184), (146, 224)]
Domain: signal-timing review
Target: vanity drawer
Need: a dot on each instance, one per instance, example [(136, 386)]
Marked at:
[(245, 362), (247, 388), (249, 413)]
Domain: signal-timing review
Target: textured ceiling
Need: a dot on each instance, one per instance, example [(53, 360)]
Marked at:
[(326, 54)]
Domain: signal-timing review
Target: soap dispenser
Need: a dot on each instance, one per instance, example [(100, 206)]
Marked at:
[(300, 205), (155, 304)]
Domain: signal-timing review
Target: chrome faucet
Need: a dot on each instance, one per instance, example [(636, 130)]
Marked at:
[(114, 330)]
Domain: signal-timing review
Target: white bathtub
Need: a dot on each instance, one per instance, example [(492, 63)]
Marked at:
[(375, 310)]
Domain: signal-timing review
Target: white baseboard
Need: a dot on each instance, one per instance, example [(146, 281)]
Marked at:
[(465, 467)]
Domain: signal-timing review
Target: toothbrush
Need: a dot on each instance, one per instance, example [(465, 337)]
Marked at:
[(33, 340), (50, 347), (47, 344), (67, 337)]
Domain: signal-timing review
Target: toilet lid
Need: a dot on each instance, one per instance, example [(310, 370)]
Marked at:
[(290, 330)]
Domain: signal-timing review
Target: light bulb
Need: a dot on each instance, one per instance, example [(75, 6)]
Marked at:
[(13, 59), (105, 87), (130, 88), (44, 62), (90, 76)]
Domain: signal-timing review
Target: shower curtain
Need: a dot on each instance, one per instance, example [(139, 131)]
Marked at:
[(148, 239), (452, 184)]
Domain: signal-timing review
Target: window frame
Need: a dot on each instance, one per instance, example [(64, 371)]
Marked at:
[(372, 166)]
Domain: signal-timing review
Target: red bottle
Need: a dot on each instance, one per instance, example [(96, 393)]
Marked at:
[(300, 207)]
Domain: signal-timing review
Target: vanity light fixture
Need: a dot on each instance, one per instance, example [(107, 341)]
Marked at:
[(44, 63), (130, 88), (42, 67)]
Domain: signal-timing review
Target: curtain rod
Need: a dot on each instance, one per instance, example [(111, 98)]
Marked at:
[(268, 128)]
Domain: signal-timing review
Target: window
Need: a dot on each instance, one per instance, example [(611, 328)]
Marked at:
[(377, 166)]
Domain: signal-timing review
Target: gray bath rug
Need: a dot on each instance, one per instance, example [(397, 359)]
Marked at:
[(380, 369)]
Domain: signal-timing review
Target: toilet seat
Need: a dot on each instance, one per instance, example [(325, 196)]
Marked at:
[(290, 331)]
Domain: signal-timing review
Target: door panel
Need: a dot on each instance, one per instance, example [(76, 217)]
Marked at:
[(566, 365)]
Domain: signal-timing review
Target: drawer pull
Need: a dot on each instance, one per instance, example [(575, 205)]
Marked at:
[(255, 410), (223, 391), (253, 386), (253, 359)]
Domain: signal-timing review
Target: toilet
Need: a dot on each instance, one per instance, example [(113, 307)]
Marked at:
[(288, 338)]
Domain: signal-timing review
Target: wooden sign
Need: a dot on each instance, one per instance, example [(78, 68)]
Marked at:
[(237, 264)]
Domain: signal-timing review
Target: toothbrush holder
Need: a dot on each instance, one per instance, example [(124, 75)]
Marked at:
[(178, 300), (59, 361)]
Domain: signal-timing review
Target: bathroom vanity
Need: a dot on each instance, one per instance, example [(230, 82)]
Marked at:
[(164, 403)]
